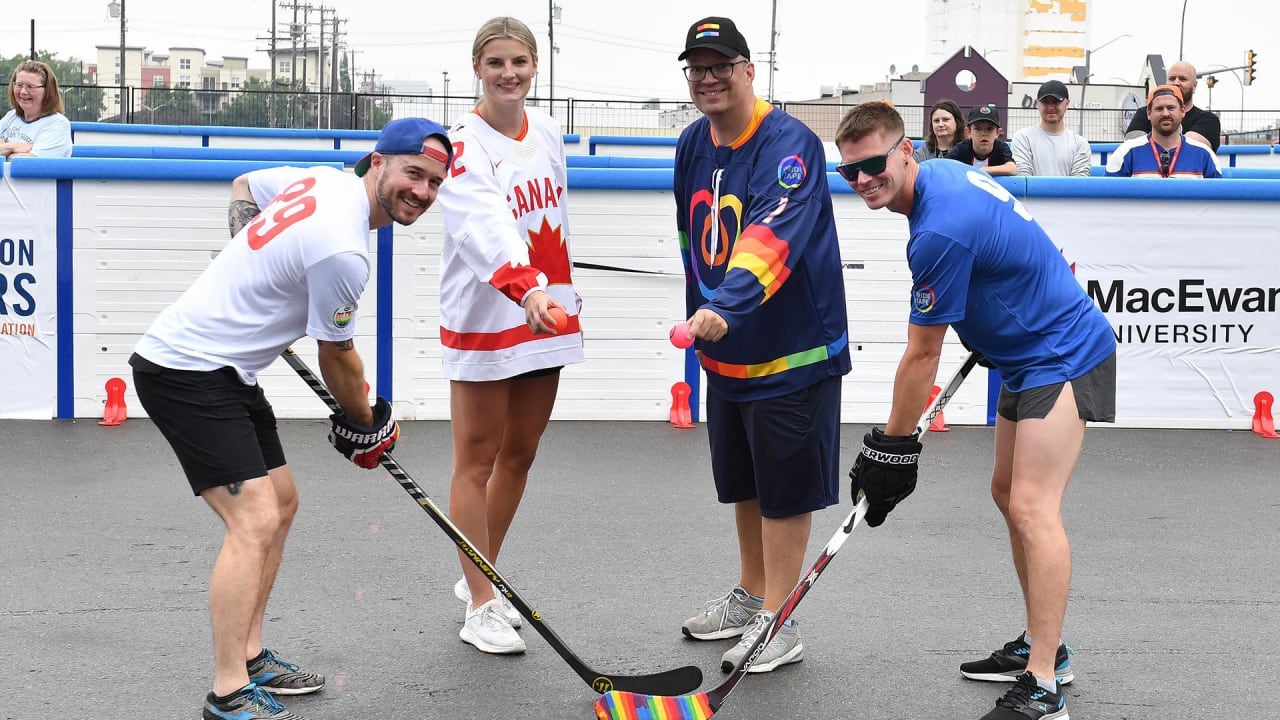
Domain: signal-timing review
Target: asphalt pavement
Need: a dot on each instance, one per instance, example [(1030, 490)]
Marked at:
[(105, 557)]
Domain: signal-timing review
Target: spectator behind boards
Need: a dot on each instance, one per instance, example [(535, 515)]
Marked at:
[(1050, 148), (1165, 151), (984, 148), (1199, 124), (35, 126), (946, 130)]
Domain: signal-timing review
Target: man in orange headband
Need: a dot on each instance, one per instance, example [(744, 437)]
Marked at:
[(1165, 151)]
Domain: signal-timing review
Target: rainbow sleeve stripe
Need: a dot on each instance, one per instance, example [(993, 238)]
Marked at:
[(615, 705), (784, 363), (764, 255)]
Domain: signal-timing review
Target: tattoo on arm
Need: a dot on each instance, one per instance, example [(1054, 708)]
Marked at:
[(343, 345), (234, 488), (240, 213)]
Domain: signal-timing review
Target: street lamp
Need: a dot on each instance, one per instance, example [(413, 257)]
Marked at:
[(1182, 29), (1089, 53), (444, 98), (553, 17), (116, 9)]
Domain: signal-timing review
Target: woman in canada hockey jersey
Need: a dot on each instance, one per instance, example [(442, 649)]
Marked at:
[(505, 263)]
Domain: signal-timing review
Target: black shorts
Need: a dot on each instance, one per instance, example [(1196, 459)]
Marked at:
[(785, 451), (222, 430), (1095, 394)]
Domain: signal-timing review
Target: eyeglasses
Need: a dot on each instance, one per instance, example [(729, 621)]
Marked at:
[(1166, 161), (24, 86), (720, 71), (873, 165)]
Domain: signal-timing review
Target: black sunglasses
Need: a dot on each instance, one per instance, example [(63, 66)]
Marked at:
[(873, 165)]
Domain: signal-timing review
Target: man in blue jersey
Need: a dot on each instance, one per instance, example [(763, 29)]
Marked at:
[(765, 299), (1165, 151), (982, 265)]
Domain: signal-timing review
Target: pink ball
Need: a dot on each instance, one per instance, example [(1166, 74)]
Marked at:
[(680, 335)]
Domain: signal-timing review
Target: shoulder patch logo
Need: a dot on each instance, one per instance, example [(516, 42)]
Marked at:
[(923, 299), (792, 172), (343, 315)]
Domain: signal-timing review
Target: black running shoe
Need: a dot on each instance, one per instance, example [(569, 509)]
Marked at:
[(1007, 663), (1026, 700), (250, 703), (280, 677)]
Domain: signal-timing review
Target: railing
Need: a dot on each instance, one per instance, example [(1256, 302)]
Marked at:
[(650, 118)]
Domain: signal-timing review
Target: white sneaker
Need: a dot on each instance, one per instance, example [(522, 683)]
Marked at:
[(488, 631), (462, 591)]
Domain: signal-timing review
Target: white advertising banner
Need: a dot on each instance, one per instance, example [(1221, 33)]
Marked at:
[(28, 298), (1191, 290)]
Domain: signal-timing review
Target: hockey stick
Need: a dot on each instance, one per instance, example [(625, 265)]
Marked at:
[(622, 705), (679, 680)]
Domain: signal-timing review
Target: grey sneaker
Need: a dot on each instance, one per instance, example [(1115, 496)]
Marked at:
[(723, 617), (785, 647), (462, 591), (280, 677), (251, 703)]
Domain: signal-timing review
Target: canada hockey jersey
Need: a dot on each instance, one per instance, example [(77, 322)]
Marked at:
[(506, 234), (758, 240)]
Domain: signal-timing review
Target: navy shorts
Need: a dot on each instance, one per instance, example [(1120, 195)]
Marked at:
[(222, 430), (785, 450)]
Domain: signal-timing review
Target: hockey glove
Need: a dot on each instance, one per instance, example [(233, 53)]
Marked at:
[(885, 471), (364, 445)]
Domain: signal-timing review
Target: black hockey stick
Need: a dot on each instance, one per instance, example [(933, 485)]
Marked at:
[(671, 682), (622, 705)]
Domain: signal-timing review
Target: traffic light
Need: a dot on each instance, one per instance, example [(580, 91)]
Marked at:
[(1211, 81), (1250, 64)]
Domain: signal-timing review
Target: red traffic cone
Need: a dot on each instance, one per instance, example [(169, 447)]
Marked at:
[(681, 415), (1263, 424), (938, 424), (114, 412)]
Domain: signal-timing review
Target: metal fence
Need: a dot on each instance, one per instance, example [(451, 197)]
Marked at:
[(370, 111)]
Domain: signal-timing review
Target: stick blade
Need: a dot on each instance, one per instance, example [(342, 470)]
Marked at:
[(616, 705), (670, 682)]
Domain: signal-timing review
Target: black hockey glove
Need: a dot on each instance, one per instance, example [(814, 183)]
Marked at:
[(364, 445), (885, 471)]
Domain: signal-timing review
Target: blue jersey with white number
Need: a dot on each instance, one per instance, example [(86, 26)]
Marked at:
[(980, 263)]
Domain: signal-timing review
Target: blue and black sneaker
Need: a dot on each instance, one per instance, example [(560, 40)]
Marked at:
[(280, 677), (1007, 663), (1026, 700), (249, 703)]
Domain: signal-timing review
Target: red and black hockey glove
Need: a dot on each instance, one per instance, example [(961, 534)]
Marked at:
[(364, 445)]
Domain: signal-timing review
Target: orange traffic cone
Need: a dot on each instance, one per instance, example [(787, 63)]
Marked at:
[(1263, 423), (681, 415), (938, 424), (114, 412)]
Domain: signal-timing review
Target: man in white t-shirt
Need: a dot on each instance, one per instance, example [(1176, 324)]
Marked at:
[(1050, 148), (295, 268)]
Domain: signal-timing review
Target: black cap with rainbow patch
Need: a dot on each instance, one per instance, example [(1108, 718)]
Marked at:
[(716, 33)]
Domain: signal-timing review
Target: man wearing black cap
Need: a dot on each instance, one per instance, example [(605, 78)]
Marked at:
[(1050, 148), (766, 307), (984, 148), (296, 268)]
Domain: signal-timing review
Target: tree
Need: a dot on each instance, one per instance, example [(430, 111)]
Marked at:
[(82, 102), (165, 105)]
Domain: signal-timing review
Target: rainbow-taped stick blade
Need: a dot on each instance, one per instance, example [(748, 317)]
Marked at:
[(635, 706)]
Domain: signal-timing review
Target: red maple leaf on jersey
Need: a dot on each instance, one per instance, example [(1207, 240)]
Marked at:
[(548, 253)]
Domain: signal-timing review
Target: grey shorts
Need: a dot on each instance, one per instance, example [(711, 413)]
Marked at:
[(1095, 394)]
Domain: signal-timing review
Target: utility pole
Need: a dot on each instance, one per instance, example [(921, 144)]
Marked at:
[(773, 46)]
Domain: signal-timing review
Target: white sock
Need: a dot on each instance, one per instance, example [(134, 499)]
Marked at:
[(1050, 685)]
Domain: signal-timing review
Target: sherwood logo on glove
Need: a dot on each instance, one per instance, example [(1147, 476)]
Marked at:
[(890, 458)]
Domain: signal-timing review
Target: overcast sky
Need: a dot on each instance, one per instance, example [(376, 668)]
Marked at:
[(606, 51)]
